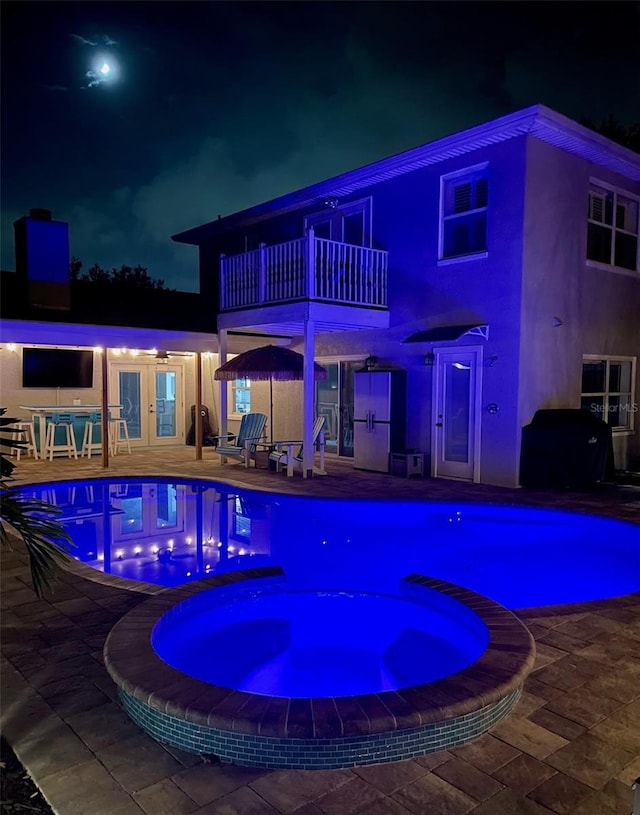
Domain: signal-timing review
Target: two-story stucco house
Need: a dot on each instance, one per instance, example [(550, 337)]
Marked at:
[(498, 267)]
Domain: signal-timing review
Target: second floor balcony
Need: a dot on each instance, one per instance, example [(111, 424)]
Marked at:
[(305, 269)]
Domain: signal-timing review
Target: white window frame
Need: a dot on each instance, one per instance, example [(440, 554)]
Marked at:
[(616, 191), (241, 524), (235, 387), (446, 181), (606, 394)]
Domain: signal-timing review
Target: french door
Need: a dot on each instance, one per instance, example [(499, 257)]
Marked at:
[(349, 223), (152, 399), (456, 413)]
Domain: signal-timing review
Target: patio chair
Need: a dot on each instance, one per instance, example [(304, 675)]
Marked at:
[(243, 444), (279, 458)]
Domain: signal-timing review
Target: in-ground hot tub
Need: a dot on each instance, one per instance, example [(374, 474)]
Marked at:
[(267, 638), (385, 721)]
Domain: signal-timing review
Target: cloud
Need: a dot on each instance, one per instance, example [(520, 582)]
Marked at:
[(102, 232), (366, 117), (82, 40), (102, 39)]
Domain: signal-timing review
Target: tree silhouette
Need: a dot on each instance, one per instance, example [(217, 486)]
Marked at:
[(627, 136), (130, 277)]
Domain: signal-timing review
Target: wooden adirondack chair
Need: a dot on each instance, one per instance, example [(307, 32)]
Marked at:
[(242, 445), (285, 457)]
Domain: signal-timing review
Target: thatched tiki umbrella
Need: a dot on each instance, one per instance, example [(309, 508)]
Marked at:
[(268, 362)]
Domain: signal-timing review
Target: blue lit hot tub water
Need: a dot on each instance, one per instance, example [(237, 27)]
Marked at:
[(299, 644)]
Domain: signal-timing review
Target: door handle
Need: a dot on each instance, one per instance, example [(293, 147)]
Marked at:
[(438, 424)]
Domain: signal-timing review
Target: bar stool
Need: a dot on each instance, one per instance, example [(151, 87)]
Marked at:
[(118, 434), (65, 422), (24, 432), (90, 443)]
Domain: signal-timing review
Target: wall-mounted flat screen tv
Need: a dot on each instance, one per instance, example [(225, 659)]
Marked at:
[(56, 368)]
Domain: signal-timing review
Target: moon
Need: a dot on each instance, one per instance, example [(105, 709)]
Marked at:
[(105, 71)]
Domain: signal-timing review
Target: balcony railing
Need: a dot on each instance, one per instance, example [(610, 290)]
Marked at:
[(307, 268)]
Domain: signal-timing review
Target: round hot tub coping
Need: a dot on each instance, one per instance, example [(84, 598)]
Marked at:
[(143, 678)]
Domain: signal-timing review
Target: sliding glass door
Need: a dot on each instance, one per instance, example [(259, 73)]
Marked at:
[(334, 401)]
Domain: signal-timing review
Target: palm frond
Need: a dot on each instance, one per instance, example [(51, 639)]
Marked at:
[(46, 540)]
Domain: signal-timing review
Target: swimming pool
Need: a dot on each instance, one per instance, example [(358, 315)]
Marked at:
[(167, 532), (192, 536)]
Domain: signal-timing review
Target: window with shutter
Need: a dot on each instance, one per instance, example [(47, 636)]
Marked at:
[(464, 213), (612, 228), (596, 206), (462, 197)]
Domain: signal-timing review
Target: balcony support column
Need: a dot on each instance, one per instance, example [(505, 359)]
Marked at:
[(310, 264), (222, 358), (224, 283), (262, 274), (308, 398)]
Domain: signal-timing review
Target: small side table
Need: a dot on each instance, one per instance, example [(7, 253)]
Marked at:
[(407, 464), (261, 455)]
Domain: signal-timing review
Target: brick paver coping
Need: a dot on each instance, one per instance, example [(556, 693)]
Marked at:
[(264, 730)]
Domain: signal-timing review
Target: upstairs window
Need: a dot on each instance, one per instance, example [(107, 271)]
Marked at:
[(607, 389), (612, 236), (241, 396), (465, 199)]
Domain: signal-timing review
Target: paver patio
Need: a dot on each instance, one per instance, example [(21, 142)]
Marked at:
[(571, 746)]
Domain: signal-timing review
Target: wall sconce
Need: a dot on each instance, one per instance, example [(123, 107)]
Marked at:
[(429, 359), (332, 203), (492, 361), (370, 363)]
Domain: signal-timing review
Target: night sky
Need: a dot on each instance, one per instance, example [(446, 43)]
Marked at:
[(209, 107)]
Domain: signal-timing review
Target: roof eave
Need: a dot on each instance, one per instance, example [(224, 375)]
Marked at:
[(538, 121)]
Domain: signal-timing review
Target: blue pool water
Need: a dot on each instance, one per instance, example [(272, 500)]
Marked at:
[(309, 643), (168, 532)]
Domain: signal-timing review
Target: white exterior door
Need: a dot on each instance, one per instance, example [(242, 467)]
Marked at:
[(456, 413), (152, 399)]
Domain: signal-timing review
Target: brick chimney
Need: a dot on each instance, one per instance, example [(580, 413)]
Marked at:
[(42, 260)]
